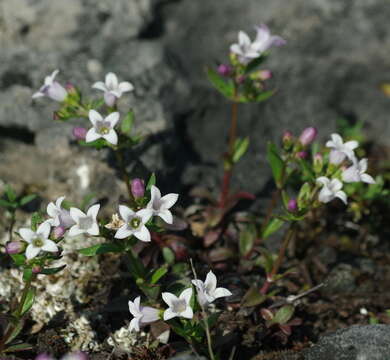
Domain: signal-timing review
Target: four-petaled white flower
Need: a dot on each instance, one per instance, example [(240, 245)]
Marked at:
[(85, 223), (102, 128), (142, 314), (208, 291), (134, 223), (52, 89), (38, 240), (112, 88), (357, 172), (178, 306), (340, 150), (264, 40), (58, 215), (161, 205), (331, 189), (244, 49)]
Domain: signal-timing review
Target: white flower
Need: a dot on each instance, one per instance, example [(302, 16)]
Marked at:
[(38, 240), (58, 215), (208, 291), (134, 223), (52, 89), (178, 306), (102, 128), (85, 223), (113, 90), (330, 190), (142, 314), (340, 150), (161, 205), (357, 173), (244, 49), (264, 40)]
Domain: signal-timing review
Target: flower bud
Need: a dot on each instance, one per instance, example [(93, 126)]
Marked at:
[(301, 154), (75, 356), (36, 269), (240, 79), (44, 357), (318, 162), (137, 188), (292, 205), (58, 232), (71, 89), (56, 92), (308, 136), (287, 140), (14, 247), (79, 132), (265, 74), (224, 70)]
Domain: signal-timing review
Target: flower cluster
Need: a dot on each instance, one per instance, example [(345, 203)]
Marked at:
[(178, 306)]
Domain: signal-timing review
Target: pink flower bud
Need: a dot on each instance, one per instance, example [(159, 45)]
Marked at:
[(240, 79), (301, 154), (36, 269), (75, 356), (44, 357), (224, 70), (58, 232), (287, 136), (137, 188), (292, 205), (79, 132), (14, 247), (265, 74), (70, 88), (308, 135)]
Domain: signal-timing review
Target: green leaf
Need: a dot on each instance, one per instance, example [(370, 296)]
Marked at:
[(97, 144), (18, 347), (240, 148), (158, 274), (5, 203), (86, 200), (18, 259), (27, 274), (10, 192), (26, 199), (151, 181), (276, 162), (247, 239), (226, 88), (307, 170), (253, 297), (266, 260), (274, 225), (255, 63), (265, 95), (36, 219), (168, 255), (101, 249), (137, 268), (28, 303), (283, 315), (127, 123), (52, 271)]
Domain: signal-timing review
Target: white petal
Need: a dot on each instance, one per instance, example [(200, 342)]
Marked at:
[(111, 81), (125, 86), (169, 298), (336, 157), (368, 179), (187, 313), (44, 230), (52, 210), (363, 164), (134, 324), (351, 145), (236, 49), (155, 193), (59, 201), (110, 98), (337, 140), (76, 214), (169, 200), (186, 295), (53, 75), (26, 234), (94, 229), (350, 175), (92, 135), (113, 119), (243, 38), (100, 86), (57, 92), (166, 215), (145, 215), (198, 284), (123, 232), (335, 185), (142, 234), (126, 213), (37, 95), (325, 195), (221, 292), (134, 306), (169, 314), (94, 116), (50, 246), (211, 282), (32, 252), (111, 137), (150, 314), (342, 196), (93, 211), (75, 230), (323, 180)]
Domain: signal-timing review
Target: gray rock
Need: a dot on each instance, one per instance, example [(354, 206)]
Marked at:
[(340, 280), (361, 342)]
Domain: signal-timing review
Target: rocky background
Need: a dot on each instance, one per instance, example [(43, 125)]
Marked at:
[(335, 60)]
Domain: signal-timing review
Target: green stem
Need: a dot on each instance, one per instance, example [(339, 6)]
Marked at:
[(11, 225)]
